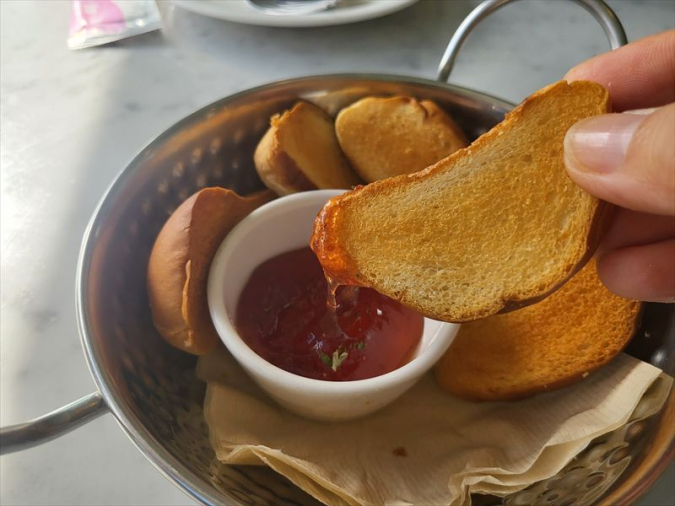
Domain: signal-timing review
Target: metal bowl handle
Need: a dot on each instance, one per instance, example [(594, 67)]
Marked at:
[(52, 425), (599, 9)]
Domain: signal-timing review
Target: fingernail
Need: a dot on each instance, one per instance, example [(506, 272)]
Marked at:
[(599, 144)]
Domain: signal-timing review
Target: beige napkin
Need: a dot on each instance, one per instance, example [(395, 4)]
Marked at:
[(427, 447)]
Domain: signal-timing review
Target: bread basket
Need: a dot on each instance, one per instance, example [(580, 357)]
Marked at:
[(151, 388)]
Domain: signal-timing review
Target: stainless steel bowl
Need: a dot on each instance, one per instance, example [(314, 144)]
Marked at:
[(151, 388)]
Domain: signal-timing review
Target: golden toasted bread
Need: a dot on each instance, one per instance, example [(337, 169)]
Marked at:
[(384, 137), (300, 152), (542, 347), (180, 261), (492, 227)]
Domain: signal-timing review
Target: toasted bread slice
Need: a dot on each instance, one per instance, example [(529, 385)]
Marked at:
[(492, 227), (542, 347), (180, 261), (384, 137), (300, 152)]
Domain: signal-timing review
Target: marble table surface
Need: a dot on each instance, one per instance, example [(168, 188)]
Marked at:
[(71, 120)]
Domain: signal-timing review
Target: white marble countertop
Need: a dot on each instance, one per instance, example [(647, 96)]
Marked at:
[(71, 120)]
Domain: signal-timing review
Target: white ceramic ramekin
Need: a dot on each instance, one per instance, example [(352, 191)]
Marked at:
[(280, 226)]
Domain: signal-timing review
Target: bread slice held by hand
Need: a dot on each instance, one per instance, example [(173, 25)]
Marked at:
[(545, 346), (180, 261), (492, 227), (300, 152), (385, 137)]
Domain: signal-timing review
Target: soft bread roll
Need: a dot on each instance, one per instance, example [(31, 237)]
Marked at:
[(180, 261), (542, 347), (384, 137), (492, 227), (300, 152)]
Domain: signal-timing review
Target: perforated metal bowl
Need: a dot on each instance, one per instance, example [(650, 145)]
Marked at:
[(151, 388)]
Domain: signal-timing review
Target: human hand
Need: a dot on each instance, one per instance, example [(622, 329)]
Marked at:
[(628, 159)]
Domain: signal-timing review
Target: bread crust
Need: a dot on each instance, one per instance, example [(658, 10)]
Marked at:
[(276, 168), (179, 263), (339, 264), (385, 137), (283, 172), (471, 395), (454, 374), (436, 113)]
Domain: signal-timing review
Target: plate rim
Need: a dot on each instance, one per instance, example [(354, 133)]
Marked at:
[(347, 15)]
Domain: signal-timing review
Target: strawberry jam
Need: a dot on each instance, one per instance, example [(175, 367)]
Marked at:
[(284, 317)]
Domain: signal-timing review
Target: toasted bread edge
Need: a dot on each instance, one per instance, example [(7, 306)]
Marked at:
[(277, 170), (550, 387), (336, 260)]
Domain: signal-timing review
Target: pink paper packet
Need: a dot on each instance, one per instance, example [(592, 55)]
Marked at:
[(96, 22)]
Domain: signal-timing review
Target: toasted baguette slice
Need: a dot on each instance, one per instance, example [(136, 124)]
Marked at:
[(490, 228), (545, 346), (300, 152), (180, 261), (384, 137)]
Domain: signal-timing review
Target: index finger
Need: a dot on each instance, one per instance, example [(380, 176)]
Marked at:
[(639, 75)]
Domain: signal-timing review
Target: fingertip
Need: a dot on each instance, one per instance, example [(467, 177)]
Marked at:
[(625, 159), (632, 228), (649, 83), (640, 272)]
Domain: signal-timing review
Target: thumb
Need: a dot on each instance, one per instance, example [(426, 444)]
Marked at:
[(627, 159)]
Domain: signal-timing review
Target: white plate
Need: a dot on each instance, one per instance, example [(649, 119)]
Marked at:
[(347, 11)]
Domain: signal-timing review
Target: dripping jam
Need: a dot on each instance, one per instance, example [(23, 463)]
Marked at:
[(284, 316)]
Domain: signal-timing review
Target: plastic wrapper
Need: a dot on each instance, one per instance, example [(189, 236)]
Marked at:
[(96, 22)]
